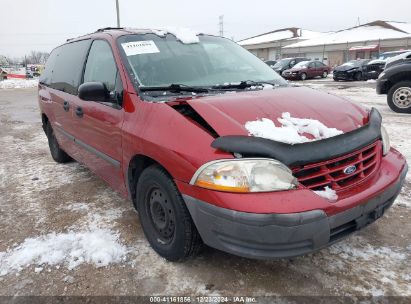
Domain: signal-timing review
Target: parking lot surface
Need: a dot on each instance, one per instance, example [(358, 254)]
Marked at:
[(42, 200)]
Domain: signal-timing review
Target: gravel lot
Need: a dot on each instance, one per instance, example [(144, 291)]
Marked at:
[(39, 197)]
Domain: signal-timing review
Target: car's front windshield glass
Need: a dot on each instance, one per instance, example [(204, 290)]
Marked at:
[(302, 64), (282, 63), (158, 61)]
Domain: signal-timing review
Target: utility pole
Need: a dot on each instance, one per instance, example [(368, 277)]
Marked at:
[(118, 13), (221, 23)]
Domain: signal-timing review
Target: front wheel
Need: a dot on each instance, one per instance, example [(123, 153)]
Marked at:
[(303, 76), (399, 97), (358, 76), (166, 222)]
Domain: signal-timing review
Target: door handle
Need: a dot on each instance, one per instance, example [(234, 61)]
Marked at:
[(66, 106), (79, 112)]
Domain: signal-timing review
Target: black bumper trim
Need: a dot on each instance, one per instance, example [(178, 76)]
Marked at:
[(267, 236), (306, 153)]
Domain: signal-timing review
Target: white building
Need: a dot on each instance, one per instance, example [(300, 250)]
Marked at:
[(334, 48), (365, 41), (269, 46)]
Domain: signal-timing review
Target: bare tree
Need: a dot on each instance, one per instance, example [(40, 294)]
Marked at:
[(36, 57)]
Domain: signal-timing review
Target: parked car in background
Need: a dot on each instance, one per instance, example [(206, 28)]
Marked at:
[(398, 59), (307, 69), (271, 63), (395, 81), (157, 116), (351, 70), (374, 68), (287, 63), (3, 74)]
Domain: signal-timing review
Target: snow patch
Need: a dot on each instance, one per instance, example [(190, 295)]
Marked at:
[(100, 247), (185, 35), (327, 193), (18, 83), (291, 129)]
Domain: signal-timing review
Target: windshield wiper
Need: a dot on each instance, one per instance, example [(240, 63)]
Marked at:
[(174, 87), (243, 84)]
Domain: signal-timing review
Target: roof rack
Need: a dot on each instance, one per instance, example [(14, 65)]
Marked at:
[(109, 28)]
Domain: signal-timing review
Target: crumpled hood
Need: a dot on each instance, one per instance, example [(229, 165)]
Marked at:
[(228, 113)]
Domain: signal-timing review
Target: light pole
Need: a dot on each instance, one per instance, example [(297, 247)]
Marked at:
[(118, 13)]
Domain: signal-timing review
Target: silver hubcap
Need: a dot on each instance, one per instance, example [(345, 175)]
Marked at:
[(303, 76), (402, 97), (325, 74)]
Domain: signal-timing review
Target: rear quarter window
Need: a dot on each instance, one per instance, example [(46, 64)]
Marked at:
[(68, 67)]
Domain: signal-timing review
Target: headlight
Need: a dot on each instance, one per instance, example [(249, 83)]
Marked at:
[(244, 175), (381, 75), (385, 141)]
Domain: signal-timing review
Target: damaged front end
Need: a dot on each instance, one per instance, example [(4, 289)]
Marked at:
[(334, 163), (305, 153)]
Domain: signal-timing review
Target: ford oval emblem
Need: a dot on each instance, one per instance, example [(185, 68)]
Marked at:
[(350, 169)]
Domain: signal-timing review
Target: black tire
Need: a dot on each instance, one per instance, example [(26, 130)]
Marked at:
[(399, 97), (358, 76), (166, 222), (303, 76), (324, 75), (56, 152)]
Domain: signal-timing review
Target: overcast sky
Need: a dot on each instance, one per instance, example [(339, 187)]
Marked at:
[(42, 24)]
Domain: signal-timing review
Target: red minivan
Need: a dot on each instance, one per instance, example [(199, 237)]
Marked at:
[(213, 147)]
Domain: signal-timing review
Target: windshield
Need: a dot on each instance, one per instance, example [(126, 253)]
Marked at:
[(282, 63), (302, 64), (156, 61)]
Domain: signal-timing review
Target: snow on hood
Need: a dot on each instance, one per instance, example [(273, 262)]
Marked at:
[(185, 35), (382, 61), (227, 114), (398, 57), (292, 129)]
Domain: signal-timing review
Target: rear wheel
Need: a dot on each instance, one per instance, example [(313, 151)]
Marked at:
[(325, 74), (303, 76), (399, 97), (166, 222), (56, 152)]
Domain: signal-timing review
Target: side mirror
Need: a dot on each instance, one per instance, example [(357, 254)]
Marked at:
[(93, 91)]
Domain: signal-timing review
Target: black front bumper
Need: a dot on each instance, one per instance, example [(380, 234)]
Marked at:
[(266, 236), (343, 76)]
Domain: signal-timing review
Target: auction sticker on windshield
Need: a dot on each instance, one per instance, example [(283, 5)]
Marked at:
[(140, 47)]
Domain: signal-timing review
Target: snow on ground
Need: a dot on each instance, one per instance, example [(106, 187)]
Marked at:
[(291, 130), (18, 83), (327, 193), (99, 247)]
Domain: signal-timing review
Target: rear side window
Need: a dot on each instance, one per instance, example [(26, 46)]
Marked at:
[(69, 66), (45, 77), (100, 66), (319, 64)]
